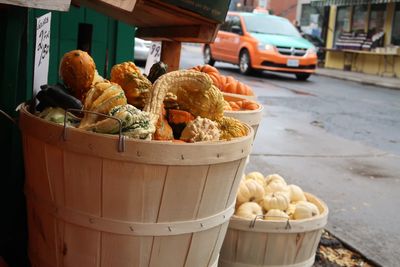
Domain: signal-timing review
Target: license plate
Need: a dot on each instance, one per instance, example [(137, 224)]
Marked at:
[(292, 63)]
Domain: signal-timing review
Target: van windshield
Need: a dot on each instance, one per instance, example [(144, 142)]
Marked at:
[(270, 25)]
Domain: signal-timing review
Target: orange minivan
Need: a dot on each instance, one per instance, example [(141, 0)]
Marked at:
[(258, 41)]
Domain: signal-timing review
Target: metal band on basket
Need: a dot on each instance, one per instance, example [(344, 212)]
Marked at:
[(253, 222), (121, 138)]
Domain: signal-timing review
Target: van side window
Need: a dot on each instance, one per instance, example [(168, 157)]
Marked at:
[(227, 25), (236, 22)]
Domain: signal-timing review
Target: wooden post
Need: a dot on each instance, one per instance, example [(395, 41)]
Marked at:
[(171, 54)]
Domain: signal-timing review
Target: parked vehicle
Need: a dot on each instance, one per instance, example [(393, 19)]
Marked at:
[(262, 42), (318, 43), (142, 48)]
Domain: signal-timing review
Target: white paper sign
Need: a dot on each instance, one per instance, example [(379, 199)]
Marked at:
[(153, 57), (42, 52)]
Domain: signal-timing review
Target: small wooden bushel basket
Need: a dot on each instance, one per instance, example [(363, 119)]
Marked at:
[(157, 203), (291, 243), (250, 117)]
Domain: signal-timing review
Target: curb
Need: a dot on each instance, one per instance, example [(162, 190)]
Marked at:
[(366, 82)]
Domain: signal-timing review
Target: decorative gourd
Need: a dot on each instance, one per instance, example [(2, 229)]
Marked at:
[(277, 186), (249, 190), (210, 71), (249, 210), (135, 85), (135, 123), (232, 105), (258, 177), (274, 177), (156, 70), (177, 116), (305, 210), (231, 128), (194, 91), (276, 215), (244, 104), (276, 200), (229, 84), (77, 70), (178, 119), (163, 129), (296, 193), (97, 78), (290, 210), (200, 129), (101, 98)]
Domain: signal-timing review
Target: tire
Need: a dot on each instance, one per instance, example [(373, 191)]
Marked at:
[(302, 76), (207, 57), (245, 63)]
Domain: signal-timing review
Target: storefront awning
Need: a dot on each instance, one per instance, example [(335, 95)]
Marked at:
[(348, 2)]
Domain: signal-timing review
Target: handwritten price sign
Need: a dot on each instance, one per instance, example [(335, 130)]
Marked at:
[(42, 52), (153, 57)]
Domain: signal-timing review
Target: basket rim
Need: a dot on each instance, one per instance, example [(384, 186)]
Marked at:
[(87, 142), (285, 226)]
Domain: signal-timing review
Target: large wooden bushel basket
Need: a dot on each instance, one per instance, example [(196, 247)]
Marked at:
[(155, 204), (291, 243)]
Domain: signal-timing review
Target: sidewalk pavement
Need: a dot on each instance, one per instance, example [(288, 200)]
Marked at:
[(388, 82)]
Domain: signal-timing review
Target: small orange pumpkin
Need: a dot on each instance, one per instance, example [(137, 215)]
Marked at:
[(77, 70), (229, 84), (211, 71)]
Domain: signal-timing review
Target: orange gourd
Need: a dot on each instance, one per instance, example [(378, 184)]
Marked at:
[(244, 104), (210, 71), (234, 105), (177, 116), (229, 84), (77, 70), (163, 129)]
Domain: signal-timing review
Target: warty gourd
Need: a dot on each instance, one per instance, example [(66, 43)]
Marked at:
[(194, 91), (101, 98), (135, 85)]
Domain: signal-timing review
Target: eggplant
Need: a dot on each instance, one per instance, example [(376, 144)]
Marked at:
[(57, 96)]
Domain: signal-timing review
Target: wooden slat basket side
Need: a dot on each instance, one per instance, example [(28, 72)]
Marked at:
[(274, 243), (89, 209)]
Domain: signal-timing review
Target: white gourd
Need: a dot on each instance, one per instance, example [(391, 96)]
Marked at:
[(290, 210), (296, 193), (257, 176), (249, 190), (249, 210), (277, 186), (276, 215), (277, 200), (305, 210), (274, 177)]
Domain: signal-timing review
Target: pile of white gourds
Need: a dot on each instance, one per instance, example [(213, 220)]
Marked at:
[(271, 198)]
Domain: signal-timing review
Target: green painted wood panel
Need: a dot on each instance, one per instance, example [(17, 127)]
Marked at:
[(13, 229), (99, 38), (125, 42)]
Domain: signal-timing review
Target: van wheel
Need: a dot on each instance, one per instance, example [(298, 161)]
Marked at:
[(245, 62), (207, 56), (302, 76)]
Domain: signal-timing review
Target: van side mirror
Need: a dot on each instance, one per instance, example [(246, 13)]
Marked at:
[(237, 29)]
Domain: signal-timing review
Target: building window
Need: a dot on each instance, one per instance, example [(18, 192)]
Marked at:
[(396, 26), (359, 21), (312, 19), (377, 18), (342, 21)]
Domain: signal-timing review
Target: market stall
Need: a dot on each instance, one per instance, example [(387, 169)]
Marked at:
[(363, 37)]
